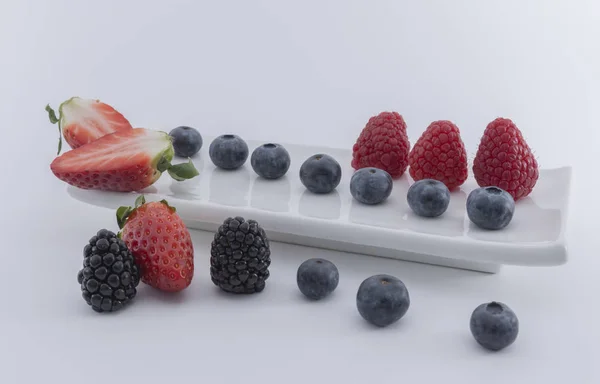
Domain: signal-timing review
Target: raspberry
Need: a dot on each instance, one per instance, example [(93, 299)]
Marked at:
[(504, 160), (440, 154), (383, 144)]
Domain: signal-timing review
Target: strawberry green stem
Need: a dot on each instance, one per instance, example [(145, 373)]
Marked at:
[(124, 212), (122, 215), (55, 120), (141, 200), (179, 172), (183, 171)]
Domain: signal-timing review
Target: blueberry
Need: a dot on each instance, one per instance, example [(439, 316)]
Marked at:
[(317, 278), (494, 325), (382, 300), (186, 141), (371, 185), (320, 173), (270, 161), (228, 151), (490, 207), (428, 198)]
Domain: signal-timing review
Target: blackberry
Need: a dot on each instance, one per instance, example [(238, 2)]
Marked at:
[(109, 276), (240, 256)]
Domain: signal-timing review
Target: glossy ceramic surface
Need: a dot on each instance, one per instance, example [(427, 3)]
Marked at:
[(290, 213)]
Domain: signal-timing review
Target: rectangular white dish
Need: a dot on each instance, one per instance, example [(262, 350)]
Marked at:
[(289, 213)]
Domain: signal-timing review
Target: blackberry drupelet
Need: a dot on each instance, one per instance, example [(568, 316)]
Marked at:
[(110, 275), (240, 256)]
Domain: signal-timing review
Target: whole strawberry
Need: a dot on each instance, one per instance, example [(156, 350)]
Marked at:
[(383, 144), (504, 160), (160, 243), (440, 154)]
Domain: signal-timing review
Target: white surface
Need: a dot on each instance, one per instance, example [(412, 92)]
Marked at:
[(313, 73), (292, 214)]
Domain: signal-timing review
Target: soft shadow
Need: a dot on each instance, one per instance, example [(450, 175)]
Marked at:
[(239, 296), (301, 298), (530, 224), (230, 187), (322, 206), (394, 327), (168, 298), (103, 199), (187, 189), (351, 266), (380, 215), (271, 195), (450, 224), (473, 346), (387, 214)]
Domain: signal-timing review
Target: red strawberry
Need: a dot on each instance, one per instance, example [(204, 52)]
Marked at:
[(124, 161), (504, 160), (82, 121), (160, 243), (440, 154), (383, 144)]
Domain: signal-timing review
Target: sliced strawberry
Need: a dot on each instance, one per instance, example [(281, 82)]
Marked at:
[(124, 161), (82, 121)]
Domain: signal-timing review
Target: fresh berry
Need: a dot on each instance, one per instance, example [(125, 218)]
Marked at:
[(383, 144), (270, 161), (317, 278), (160, 242), (494, 325), (439, 154), (428, 198), (228, 151), (240, 256), (82, 121), (320, 173), (490, 207), (504, 160), (371, 185), (124, 161), (187, 141), (110, 276), (382, 300)]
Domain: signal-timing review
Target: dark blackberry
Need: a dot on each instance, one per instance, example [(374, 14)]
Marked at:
[(240, 256), (110, 276)]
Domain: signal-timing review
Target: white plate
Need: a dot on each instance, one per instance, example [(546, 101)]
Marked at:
[(289, 213)]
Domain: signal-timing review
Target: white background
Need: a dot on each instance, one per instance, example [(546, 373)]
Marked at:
[(303, 72)]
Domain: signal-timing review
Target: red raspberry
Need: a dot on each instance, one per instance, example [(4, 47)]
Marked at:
[(383, 144), (504, 160), (440, 154)]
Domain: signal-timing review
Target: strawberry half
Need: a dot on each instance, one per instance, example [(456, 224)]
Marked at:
[(160, 243), (124, 161), (82, 121)]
